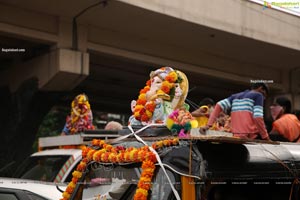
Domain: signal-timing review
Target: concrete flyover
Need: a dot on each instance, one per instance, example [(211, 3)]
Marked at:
[(233, 41), (99, 47)]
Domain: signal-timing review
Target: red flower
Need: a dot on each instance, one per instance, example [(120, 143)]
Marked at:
[(145, 185), (148, 83), (150, 106), (81, 167), (145, 89), (74, 180), (69, 190), (148, 164), (85, 151), (141, 101), (144, 118), (95, 142), (140, 196), (166, 89), (171, 77)]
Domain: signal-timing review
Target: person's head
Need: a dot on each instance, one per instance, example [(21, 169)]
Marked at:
[(281, 105), (261, 87), (113, 125), (285, 103), (207, 102), (297, 113)]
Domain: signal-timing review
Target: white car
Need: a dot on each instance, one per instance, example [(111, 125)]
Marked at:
[(23, 189), (55, 165)]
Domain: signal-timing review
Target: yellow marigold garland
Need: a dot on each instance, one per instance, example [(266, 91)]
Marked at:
[(144, 109), (110, 154)]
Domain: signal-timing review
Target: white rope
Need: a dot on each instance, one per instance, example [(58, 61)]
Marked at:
[(132, 132), (182, 174), (158, 160)]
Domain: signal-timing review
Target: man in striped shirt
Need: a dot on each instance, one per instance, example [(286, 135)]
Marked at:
[(246, 112)]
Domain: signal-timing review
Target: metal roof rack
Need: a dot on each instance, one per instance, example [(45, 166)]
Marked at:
[(76, 139)]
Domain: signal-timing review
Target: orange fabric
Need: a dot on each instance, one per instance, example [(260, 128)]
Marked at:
[(288, 126)]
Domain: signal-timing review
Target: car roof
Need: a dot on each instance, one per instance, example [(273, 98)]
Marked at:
[(44, 189), (20, 194), (76, 153)]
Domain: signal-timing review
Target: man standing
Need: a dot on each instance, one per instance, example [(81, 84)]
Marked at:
[(246, 110)]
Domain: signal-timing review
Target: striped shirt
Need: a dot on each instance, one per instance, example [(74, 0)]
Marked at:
[(244, 107)]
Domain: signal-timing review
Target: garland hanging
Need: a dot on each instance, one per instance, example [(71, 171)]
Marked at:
[(119, 154), (144, 108)]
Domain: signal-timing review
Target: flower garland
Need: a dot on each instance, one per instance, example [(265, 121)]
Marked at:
[(144, 183), (110, 154), (77, 174), (144, 109)]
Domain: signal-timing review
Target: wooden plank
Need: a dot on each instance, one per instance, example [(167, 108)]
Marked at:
[(230, 139)]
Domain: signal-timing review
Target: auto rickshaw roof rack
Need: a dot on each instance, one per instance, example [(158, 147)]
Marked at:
[(156, 133), (76, 139)]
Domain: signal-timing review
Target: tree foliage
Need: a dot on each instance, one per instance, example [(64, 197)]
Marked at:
[(52, 124)]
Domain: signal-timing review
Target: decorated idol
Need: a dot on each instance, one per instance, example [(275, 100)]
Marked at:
[(181, 121), (81, 117), (164, 92)]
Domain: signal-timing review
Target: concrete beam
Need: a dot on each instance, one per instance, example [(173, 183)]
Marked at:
[(239, 17), (23, 32), (296, 101), (58, 70), (179, 65), (65, 35), (29, 24)]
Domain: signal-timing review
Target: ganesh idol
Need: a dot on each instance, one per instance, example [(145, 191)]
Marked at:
[(165, 91)]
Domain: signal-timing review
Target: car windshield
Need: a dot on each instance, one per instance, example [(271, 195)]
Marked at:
[(120, 182), (111, 182), (42, 168)]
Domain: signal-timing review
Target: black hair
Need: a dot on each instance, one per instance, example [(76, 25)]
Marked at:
[(284, 102), (206, 101), (297, 113), (257, 85)]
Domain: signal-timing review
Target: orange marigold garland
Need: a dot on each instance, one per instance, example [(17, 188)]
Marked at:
[(144, 183), (172, 77), (77, 174), (110, 154), (144, 109)]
